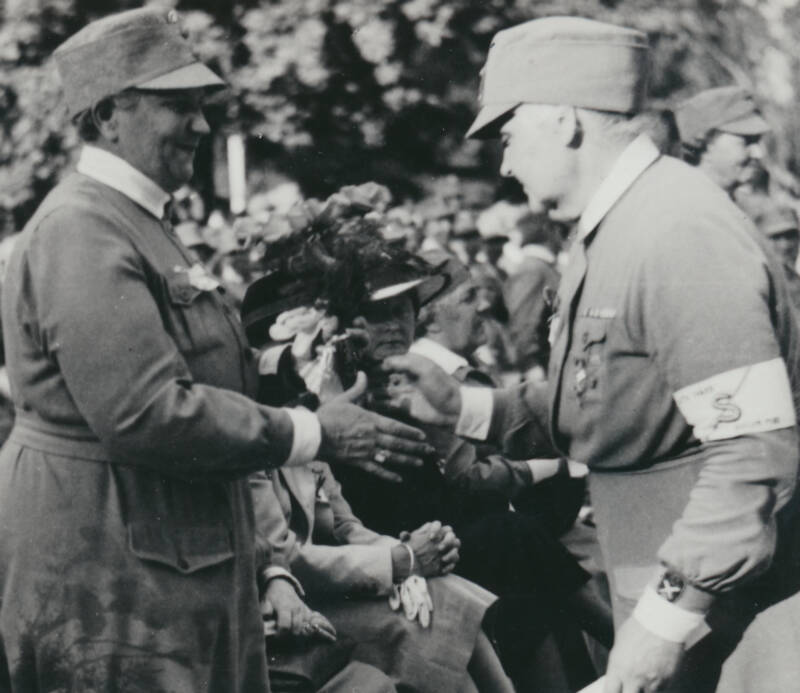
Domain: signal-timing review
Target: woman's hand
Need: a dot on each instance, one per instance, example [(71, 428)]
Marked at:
[(355, 436), (435, 548), (285, 613)]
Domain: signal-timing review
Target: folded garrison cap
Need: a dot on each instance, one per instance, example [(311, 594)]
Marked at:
[(142, 48), (563, 60), (729, 109)]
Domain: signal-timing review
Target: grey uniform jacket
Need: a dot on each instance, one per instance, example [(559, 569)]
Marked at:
[(126, 523)]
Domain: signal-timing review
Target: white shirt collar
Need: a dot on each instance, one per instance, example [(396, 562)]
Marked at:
[(633, 161), (447, 360), (540, 252), (111, 170)]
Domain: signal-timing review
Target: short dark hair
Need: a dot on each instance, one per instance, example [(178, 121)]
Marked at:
[(85, 119)]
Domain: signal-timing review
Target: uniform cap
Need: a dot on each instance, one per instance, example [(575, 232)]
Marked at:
[(728, 109), (563, 60), (142, 48)]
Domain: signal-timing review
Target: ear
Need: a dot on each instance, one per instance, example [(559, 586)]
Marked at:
[(105, 116), (569, 130)]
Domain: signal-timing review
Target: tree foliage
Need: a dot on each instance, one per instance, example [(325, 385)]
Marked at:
[(332, 92)]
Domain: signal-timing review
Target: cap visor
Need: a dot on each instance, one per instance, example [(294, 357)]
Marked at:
[(751, 125), (480, 128), (192, 76), (427, 288), (394, 290)]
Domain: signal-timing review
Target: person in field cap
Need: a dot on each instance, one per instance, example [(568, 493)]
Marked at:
[(721, 132), (126, 523), (673, 371)]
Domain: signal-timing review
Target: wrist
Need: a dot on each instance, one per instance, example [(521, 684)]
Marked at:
[(402, 562), (672, 609), (277, 573)]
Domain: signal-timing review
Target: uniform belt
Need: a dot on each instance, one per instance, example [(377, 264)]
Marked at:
[(57, 439)]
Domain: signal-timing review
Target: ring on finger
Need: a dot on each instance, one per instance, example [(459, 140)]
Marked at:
[(381, 456)]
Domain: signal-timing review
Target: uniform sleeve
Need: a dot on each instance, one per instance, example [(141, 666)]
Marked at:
[(470, 467), (520, 420), (101, 325), (707, 309)]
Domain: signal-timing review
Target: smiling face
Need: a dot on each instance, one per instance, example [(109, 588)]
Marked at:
[(390, 325), (160, 133), (536, 152), (731, 160)]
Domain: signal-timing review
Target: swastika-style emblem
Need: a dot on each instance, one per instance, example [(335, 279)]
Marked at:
[(670, 587)]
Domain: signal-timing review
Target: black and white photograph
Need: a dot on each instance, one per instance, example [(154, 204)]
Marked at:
[(399, 346)]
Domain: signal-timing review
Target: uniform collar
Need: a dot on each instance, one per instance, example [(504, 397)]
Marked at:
[(447, 360), (111, 170), (633, 161)]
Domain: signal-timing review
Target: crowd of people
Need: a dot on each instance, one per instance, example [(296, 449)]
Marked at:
[(362, 444)]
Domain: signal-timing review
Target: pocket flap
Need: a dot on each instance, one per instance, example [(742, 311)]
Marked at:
[(187, 550), (181, 291)]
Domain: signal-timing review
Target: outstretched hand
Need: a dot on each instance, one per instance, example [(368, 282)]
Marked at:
[(352, 435), (417, 386)]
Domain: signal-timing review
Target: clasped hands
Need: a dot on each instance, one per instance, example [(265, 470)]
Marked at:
[(433, 549)]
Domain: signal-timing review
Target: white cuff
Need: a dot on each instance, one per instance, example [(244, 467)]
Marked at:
[(306, 438), (666, 620), (275, 571), (543, 469), (475, 417)]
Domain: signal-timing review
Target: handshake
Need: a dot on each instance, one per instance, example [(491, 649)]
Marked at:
[(432, 550)]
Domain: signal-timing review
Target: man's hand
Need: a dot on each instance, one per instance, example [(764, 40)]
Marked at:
[(419, 387), (355, 436), (290, 614), (641, 662)]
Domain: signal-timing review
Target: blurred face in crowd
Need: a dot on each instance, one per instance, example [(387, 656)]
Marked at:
[(787, 245), (159, 134), (389, 324), (493, 250), (457, 322), (731, 160), (537, 151)]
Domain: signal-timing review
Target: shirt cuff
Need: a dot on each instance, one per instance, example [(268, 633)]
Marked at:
[(275, 571), (475, 418), (306, 438), (666, 620), (542, 469)]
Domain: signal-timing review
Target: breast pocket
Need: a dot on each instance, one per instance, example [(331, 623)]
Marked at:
[(192, 316)]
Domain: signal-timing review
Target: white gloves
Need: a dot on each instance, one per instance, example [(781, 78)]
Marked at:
[(412, 594)]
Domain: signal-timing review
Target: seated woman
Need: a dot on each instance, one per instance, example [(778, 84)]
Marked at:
[(348, 572)]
